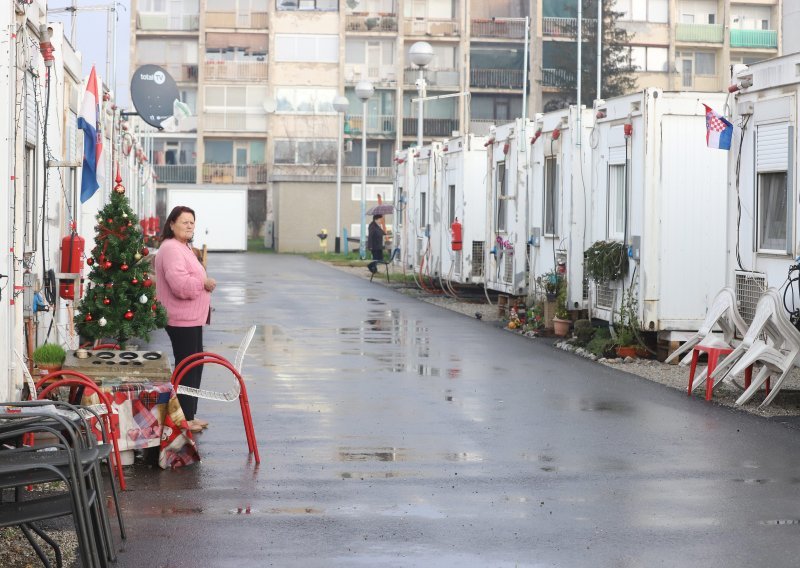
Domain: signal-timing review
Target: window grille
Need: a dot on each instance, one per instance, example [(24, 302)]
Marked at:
[(749, 287), (477, 258)]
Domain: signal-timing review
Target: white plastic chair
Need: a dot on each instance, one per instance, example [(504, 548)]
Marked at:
[(722, 313), (237, 392), (778, 361), (764, 323)]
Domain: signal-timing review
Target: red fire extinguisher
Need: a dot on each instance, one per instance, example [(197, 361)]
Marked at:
[(71, 253), (455, 228)]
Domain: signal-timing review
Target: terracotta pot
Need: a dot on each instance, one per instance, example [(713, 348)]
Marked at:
[(626, 351), (561, 327), (47, 369)]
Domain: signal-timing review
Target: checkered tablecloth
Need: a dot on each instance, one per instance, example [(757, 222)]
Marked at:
[(149, 416)]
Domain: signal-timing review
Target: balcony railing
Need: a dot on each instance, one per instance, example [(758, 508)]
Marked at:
[(377, 74), (758, 39), (176, 173), (235, 70), (557, 78), (164, 21), (371, 23), (699, 33), (480, 126), (228, 120), (430, 126), (495, 78), (426, 27), (498, 28), (433, 77), (566, 27), (253, 20), (381, 124), (232, 173), (379, 171)]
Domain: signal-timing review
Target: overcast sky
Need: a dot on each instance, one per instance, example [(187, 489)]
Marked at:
[(91, 38)]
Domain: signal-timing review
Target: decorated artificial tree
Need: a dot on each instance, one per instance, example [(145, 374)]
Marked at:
[(121, 299)]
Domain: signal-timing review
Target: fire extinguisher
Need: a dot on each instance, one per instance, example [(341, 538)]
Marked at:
[(455, 228), (71, 253)]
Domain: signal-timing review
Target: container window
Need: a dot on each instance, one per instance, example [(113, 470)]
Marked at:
[(502, 194), (616, 202), (550, 195), (773, 221)]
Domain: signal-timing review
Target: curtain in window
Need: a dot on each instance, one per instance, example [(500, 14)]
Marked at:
[(772, 218)]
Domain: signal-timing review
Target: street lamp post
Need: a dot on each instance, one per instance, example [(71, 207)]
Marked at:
[(340, 104), (420, 54), (364, 91)]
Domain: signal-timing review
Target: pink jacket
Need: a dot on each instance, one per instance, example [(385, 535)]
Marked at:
[(179, 285)]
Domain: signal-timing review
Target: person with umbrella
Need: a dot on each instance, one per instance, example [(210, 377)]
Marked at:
[(375, 242)]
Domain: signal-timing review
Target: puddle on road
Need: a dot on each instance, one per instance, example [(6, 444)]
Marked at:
[(611, 406), (178, 511), (372, 454), (778, 522), (372, 475)]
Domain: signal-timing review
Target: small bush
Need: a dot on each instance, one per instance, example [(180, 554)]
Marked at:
[(601, 343), (584, 332), (49, 354)]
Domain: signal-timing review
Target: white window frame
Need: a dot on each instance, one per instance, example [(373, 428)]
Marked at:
[(295, 142), (616, 206), (501, 192), (319, 102), (551, 184)]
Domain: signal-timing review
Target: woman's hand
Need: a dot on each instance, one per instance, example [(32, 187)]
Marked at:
[(209, 284)]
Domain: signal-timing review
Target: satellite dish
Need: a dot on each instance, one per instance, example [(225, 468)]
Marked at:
[(269, 105), (153, 92)]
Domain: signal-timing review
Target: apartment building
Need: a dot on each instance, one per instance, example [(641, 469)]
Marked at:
[(262, 75), (677, 44)]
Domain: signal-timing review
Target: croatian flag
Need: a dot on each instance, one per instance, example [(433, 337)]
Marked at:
[(93, 174), (719, 131)]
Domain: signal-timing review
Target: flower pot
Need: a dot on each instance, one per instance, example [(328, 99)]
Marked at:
[(47, 369), (561, 327), (626, 351)]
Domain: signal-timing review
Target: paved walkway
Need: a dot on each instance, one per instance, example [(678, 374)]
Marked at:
[(396, 433)]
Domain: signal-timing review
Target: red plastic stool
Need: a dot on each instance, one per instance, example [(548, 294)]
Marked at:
[(713, 358)]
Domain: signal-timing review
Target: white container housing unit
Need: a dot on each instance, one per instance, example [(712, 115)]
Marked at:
[(462, 170), (423, 213), (763, 216), (507, 208), (660, 190), (559, 199), (404, 166)]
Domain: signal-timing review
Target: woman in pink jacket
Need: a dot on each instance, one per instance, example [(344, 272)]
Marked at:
[(185, 290)]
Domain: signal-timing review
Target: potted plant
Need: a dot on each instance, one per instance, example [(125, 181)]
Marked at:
[(605, 261), (550, 283), (626, 330), (49, 357), (561, 321)]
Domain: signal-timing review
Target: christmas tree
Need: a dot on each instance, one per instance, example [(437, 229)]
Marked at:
[(120, 301)]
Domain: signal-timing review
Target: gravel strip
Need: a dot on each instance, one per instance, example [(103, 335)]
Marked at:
[(786, 404)]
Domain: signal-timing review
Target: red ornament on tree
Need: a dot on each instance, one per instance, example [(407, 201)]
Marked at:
[(118, 187), (106, 301), (155, 306), (107, 264), (109, 285), (102, 257), (88, 317), (109, 221), (123, 267), (134, 281), (147, 283), (128, 315), (145, 251), (90, 261)]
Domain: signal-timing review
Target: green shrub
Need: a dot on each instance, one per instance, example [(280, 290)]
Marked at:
[(605, 261), (584, 332), (601, 344)]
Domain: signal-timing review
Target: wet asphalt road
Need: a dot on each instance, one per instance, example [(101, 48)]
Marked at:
[(396, 433)]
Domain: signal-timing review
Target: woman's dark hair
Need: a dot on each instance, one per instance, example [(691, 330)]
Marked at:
[(376, 217), (166, 232)]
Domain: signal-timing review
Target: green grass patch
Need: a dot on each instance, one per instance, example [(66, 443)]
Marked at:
[(257, 245)]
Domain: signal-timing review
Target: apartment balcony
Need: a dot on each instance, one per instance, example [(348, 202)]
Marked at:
[(166, 22), (557, 78), (699, 33), (235, 70), (371, 22), (377, 125), (181, 72), (497, 29), (378, 75), (176, 173), (235, 121), (566, 27), (251, 21), (233, 173), (372, 172), (433, 77), (495, 78), (431, 126), (754, 39), (428, 27)]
